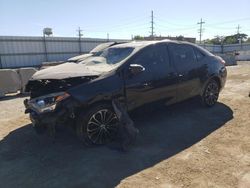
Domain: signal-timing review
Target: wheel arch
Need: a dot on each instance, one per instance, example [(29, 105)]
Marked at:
[(215, 78), (83, 117)]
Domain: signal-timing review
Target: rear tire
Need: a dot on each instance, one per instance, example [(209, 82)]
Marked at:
[(98, 125), (211, 93)]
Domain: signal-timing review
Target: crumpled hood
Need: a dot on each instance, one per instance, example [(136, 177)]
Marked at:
[(66, 70)]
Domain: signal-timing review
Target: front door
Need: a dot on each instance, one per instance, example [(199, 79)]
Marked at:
[(157, 83)]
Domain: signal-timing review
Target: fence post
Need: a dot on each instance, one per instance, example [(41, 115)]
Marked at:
[(80, 47), (222, 48), (45, 48), (1, 66)]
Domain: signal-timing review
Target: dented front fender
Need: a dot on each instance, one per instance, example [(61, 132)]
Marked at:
[(103, 88)]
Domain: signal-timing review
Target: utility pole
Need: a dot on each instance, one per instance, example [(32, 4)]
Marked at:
[(238, 29), (1, 66), (45, 47), (152, 24), (79, 34), (201, 29), (107, 37), (238, 34)]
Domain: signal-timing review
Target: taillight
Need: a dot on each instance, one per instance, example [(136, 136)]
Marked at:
[(222, 61)]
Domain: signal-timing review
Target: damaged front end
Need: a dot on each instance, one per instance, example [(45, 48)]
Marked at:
[(58, 94), (42, 87), (50, 104)]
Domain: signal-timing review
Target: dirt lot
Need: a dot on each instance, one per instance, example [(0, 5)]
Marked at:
[(184, 145)]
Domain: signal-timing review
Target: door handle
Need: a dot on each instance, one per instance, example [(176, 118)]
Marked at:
[(147, 84)]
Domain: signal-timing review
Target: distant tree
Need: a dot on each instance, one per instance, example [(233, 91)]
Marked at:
[(231, 39), (235, 39), (218, 40), (207, 41), (242, 36), (181, 38), (138, 37), (248, 40)]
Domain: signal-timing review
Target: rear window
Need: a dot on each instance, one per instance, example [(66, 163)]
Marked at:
[(182, 54), (199, 54)]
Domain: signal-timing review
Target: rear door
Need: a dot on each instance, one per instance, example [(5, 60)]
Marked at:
[(185, 61), (157, 83)]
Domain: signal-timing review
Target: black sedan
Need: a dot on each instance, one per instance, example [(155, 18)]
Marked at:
[(136, 74)]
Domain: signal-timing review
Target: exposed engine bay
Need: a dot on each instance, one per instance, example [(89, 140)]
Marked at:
[(39, 88)]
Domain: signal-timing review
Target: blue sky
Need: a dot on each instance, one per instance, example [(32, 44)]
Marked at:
[(121, 19)]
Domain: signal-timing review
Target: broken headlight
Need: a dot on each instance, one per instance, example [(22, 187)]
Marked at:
[(47, 103)]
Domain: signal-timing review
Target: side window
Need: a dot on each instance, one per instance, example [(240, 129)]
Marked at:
[(161, 56), (182, 54), (153, 57), (199, 54), (145, 57)]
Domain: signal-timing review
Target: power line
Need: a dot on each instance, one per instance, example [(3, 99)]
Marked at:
[(119, 29), (220, 28), (176, 25), (229, 21), (137, 24), (201, 29), (128, 22), (212, 25), (176, 29)]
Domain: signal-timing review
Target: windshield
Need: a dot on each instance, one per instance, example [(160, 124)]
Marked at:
[(97, 53), (101, 47), (110, 56)]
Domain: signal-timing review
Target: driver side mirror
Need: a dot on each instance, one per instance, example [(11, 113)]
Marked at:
[(136, 69)]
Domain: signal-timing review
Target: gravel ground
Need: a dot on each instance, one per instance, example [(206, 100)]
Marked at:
[(184, 145)]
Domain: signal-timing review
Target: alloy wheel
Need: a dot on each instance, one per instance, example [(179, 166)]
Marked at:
[(102, 126), (211, 93)]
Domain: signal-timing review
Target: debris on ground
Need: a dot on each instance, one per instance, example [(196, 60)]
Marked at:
[(127, 132)]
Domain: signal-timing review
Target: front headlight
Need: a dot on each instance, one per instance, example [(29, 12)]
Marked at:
[(47, 103)]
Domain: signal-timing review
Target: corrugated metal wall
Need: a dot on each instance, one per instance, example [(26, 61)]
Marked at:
[(226, 48), (18, 51), (211, 48)]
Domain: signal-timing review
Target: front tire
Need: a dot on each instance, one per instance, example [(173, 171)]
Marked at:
[(98, 125), (211, 93)]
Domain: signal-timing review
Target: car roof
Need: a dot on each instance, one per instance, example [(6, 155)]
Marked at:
[(105, 45), (141, 44), (102, 46), (135, 44)]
